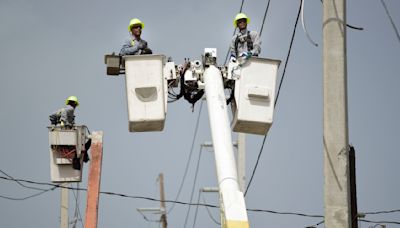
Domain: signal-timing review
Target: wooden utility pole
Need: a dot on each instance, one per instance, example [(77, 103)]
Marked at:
[(94, 180), (162, 196), (335, 138)]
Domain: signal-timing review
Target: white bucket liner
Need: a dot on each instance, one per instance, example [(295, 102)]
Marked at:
[(61, 169), (146, 92), (253, 108)]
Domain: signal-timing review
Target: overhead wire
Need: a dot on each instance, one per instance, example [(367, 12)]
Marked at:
[(22, 185), (277, 97), (379, 222), (183, 203), (350, 26), (197, 210), (77, 213), (194, 186), (209, 212), (265, 16), (189, 158), (34, 188), (315, 225), (304, 25), (234, 31), (391, 20)]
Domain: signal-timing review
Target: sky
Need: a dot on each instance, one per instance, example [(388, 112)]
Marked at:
[(50, 50)]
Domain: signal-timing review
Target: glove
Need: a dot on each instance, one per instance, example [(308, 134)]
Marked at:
[(142, 45), (62, 124), (246, 55), (233, 59)]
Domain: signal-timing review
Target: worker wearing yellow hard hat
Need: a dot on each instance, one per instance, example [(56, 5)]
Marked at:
[(65, 116), (244, 43), (135, 45)]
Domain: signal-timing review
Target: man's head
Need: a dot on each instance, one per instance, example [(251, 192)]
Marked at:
[(135, 27), (72, 100), (241, 21)]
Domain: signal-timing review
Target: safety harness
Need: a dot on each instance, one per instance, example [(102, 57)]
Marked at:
[(248, 41)]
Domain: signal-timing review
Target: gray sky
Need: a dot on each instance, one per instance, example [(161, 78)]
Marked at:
[(52, 49)]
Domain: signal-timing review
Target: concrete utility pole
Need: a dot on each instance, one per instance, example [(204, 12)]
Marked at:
[(92, 206), (162, 196), (335, 138), (64, 206)]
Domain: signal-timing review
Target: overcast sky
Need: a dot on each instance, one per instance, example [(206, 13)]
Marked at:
[(51, 49)]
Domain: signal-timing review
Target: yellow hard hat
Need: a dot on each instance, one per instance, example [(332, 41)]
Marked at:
[(133, 22), (72, 98), (240, 16)]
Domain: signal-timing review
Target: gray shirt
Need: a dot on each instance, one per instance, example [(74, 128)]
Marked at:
[(65, 115), (133, 46), (242, 43)]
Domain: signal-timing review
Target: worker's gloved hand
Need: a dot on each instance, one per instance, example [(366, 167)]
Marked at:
[(142, 44), (232, 59), (62, 124), (246, 55)]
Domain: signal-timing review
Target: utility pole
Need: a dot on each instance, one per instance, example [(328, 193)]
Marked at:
[(335, 139), (159, 210), (92, 206), (162, 196), (64, 205)]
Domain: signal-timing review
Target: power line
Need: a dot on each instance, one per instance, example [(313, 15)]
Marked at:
[(381, 212), (265, 15), (277, 96), (209, 212), (379, 222), (194, 186), (39, 189), (189, 158), (77, 214), (153, 199), (391, 20), (27, 197), (234, 30), (350, 26), (197, 210), (194, 204)]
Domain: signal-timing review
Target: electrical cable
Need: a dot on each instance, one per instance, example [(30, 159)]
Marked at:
[(197, 210), (192, 204), (304, 25), (27, 197), (189, 158), (315, 226), (194, 186), (379, 222), (265, 15), (391, 20), (380, 212), (78, 215), (350, 26), (234, 31), (39, 189), (209, 212), (277, 96)]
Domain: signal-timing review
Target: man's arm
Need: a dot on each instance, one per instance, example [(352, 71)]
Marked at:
[(129, 49), (256, 43)]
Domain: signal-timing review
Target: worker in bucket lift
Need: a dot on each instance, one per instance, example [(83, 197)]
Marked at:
[(244, 43), (65, 117), (135, 45)]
